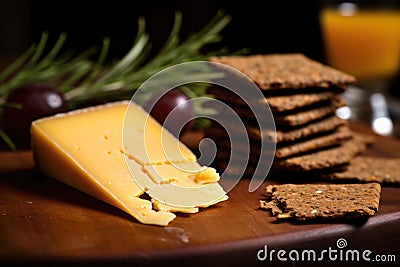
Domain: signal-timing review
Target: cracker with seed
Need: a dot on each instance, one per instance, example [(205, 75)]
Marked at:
[(335, 138), (322, 126), (370, 169), (324, 159), (277, 104), (292, 102), (286, 71), (306, 116), (322, 202), (294, 118)]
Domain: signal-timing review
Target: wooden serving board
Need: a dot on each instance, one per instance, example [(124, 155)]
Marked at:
[(43, 221)]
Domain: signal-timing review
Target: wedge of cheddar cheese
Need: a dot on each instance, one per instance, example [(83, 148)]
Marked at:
[(97, 151)]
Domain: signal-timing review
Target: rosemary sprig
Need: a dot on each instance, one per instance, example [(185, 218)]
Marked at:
[(82, 79), (130, 72), (33, 67)]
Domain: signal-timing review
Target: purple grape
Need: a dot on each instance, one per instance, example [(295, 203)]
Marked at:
[(36, 101), (183, 115)]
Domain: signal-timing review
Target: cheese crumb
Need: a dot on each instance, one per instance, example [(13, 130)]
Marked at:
[(206, 176)]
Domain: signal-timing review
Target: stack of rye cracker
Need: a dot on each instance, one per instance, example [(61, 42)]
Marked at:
[(311, 141), (303, 96)]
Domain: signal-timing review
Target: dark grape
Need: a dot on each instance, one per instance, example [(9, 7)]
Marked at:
[(160, 107), (37, 101)]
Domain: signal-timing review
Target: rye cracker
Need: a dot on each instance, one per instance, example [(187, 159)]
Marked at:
[(307, 116), (286, 103), (335, 138), (370, 169), (286, 71), (321, 126), (324, 159), (277, 104), (322, 202)]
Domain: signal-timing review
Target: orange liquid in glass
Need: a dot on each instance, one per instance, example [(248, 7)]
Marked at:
[(365, 44)]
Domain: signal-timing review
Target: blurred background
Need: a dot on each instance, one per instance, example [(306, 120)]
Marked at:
[(261, 26)]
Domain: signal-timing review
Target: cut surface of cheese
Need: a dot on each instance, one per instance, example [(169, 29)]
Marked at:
[(148, 143), (189, 174), (85, 149), (177, 188)]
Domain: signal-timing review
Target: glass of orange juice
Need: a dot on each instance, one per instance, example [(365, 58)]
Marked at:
[(362, 38)]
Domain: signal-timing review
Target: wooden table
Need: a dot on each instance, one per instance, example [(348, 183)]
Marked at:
[(43, 221)]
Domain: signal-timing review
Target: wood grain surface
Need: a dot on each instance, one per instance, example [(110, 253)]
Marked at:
[(43, 221)]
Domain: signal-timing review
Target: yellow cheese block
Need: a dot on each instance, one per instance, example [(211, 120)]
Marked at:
[(84, 149)]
